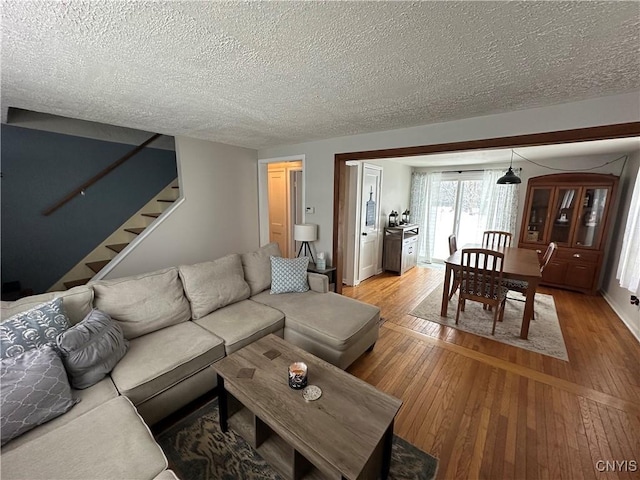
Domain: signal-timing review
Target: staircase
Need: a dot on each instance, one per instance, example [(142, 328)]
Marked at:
[(120, 240)]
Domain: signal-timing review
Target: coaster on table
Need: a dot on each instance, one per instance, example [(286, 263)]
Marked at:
[(312, 392), (246, 373), (271, 354)]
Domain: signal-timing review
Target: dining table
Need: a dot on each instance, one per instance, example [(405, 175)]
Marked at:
[(518, 264)]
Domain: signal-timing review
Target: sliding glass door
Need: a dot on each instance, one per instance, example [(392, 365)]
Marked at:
[(463, 203), (458, 212)]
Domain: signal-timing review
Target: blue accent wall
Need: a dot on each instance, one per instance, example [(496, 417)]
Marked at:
[(38, 169)]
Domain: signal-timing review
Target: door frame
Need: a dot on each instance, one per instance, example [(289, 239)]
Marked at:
[(603, 132), (263, 193)]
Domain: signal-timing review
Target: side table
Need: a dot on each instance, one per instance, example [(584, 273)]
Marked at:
[(330, 272)]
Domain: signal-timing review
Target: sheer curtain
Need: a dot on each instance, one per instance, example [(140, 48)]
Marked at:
[(629, 265), (498, 203), (425, 192)]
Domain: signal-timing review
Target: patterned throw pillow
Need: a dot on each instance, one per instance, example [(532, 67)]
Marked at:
[(35, 389), (33, 328), (91, 348), (289, 274)]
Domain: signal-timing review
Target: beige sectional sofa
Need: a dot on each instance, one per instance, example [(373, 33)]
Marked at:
[(178, 321)]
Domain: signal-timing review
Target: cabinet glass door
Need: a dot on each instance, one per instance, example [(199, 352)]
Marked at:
[(590, 221), (564, 213), (539, 204)]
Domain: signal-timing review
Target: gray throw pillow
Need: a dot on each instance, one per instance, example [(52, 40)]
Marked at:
[(33, 328), (35, 389), (289, 275), (92, 348)]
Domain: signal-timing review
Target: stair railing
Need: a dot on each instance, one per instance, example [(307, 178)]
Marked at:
[(81, 189)]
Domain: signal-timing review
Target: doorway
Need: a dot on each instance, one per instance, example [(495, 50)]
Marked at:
[(603, 132), (281, 199)]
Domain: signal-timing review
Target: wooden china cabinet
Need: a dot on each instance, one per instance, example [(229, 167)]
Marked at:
[(573, 210)]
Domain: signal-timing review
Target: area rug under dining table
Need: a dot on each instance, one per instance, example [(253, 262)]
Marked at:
[(545, 334), (198, 450)]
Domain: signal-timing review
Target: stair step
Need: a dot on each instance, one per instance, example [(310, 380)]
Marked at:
[(135, 231), (165, 200), (75, 283), (97, 266), (117, 247), (152, 215)]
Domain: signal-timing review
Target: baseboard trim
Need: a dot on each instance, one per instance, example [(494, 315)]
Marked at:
[(621, 315)]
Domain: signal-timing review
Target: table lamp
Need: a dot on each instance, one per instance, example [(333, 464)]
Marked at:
[(305, 233)]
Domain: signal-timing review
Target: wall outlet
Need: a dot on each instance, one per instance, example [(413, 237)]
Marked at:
[(310, 210), (635, 300)]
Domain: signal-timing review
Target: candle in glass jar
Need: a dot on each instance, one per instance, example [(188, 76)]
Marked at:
[(298, 375)]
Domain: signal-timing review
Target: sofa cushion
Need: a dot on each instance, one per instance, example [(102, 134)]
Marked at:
[(35, 389), (289, 275), (166, 475), (110, 441), (212, 285), (86, 399), (91, 349), (327, 317), (143, 303), (77, 303), (32, 328), (161, 359), (257, 267), (242, 323)]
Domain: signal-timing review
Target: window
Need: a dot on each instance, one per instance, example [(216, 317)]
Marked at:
[(629, 265)]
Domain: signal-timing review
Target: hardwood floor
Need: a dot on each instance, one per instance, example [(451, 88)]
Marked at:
[(493, 411)]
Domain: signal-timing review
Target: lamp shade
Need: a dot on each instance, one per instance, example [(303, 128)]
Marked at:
[(509, 178), (305, 232)]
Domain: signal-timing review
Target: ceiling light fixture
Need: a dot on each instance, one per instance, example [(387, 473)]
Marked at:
[(509, 178)]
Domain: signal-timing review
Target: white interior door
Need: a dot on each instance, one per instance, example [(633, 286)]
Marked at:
[(278, 211), (369, 221)]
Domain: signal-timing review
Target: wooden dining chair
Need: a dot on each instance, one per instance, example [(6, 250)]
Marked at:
[(481, 281), (453, 248), (495, 239), (521, 286), (453, 245)]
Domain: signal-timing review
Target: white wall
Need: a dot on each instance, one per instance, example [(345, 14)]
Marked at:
[(320, 154), (616, 296), (394, 195), (83, 128), (219, 214), (396, 188)]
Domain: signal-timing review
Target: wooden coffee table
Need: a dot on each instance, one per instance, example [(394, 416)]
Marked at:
[(346, 433)]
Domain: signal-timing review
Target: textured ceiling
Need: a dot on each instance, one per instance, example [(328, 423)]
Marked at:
[(259, 74)]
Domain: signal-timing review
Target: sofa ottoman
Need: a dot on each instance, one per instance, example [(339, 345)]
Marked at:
[(335, 328)]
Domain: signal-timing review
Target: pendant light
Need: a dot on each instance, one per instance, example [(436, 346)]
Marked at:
[(509, 178)]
